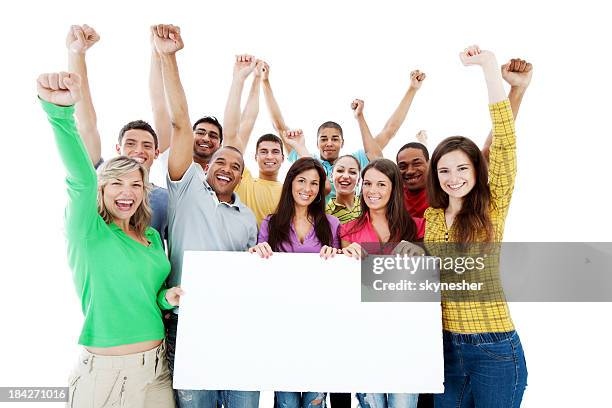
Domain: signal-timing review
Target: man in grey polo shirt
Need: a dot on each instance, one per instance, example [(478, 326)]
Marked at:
[(203, 212)]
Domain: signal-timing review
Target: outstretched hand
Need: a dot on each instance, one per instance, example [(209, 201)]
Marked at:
[(167, 38), (59, 88), (81, 38), (517, 72)]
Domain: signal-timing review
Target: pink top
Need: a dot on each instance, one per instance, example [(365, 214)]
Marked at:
[(368, 234)]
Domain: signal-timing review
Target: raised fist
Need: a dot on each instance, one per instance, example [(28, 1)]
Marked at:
[(294, 138), (265, 71), (259, 67), (416, 79), (81, 38), (357, 107), (473, 55), (167, 38), (244, 65), (59, 88), (517, 72)]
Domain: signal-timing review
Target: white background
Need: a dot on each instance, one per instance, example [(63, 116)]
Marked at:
[(322, 55)]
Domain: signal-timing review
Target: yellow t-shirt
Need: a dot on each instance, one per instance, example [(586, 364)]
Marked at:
[(261, 196)]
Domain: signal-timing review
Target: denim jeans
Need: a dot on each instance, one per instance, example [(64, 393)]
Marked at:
[(205, 398), (483, 370), (284, 399), (376, 400)]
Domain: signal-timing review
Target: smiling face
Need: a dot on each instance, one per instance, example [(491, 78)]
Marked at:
[(376, 189), (345, 175), (456, 174), (305, 187), (413, 167), (330, 142), (138, 144), (269, 157), (224, 172), (206, 140), (123, 195)]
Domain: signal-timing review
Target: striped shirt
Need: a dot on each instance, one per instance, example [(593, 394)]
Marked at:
[(484, 316), (343, 213)]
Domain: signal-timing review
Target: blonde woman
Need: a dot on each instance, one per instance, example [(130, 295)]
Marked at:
[(118, 267)]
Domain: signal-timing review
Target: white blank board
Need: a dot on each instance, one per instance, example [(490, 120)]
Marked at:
[(295, 322)]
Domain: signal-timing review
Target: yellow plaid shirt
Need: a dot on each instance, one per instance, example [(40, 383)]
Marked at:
[(491, 316)]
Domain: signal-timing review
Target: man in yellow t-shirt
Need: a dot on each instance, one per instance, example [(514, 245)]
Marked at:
[(261, 194)]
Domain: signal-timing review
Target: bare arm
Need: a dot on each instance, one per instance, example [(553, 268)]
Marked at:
[(295, 140), (168, 41), (157, 96), (473, 55), (399, 115), (244, 65), (372, 149), (275, 113), (78, 41), (517, 73), (231, 119), (251, 109)]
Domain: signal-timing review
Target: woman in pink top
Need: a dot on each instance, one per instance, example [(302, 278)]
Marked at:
[(387, 227), (384, 219)]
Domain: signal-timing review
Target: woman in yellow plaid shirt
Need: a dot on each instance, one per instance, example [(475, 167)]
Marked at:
[(484, 363)]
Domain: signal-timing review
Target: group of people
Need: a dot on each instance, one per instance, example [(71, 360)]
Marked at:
[(126, 237)]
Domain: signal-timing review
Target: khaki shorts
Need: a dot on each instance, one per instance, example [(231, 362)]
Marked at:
[(134, 380)]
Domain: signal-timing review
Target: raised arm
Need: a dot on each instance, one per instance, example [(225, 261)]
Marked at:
[(167, 40), (517, 72), (502, 164), (58, 93), (372, 149), (244, 65), (296, 141), (473, 55), (251, 108), (399, 115), (157, 96), (275, 113), (78, 41)]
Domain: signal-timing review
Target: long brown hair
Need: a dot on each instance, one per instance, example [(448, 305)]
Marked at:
[(279, 225), (401, 224), (473, 222)]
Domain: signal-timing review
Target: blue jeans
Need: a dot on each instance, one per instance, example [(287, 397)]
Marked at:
[(284, 399), (482, 370), (376, 400), (205, 398)]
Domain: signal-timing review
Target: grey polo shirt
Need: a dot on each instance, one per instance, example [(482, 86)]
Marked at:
[(198, 221)]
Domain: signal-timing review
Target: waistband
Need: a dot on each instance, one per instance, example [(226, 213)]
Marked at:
[(477, 338), (142, 359)]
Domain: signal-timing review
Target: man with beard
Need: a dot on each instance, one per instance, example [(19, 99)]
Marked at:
[(204, 213)]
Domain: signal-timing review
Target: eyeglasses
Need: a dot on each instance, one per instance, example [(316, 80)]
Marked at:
[(204, 132)]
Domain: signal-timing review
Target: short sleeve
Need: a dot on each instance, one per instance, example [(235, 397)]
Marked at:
[(263, 231)]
